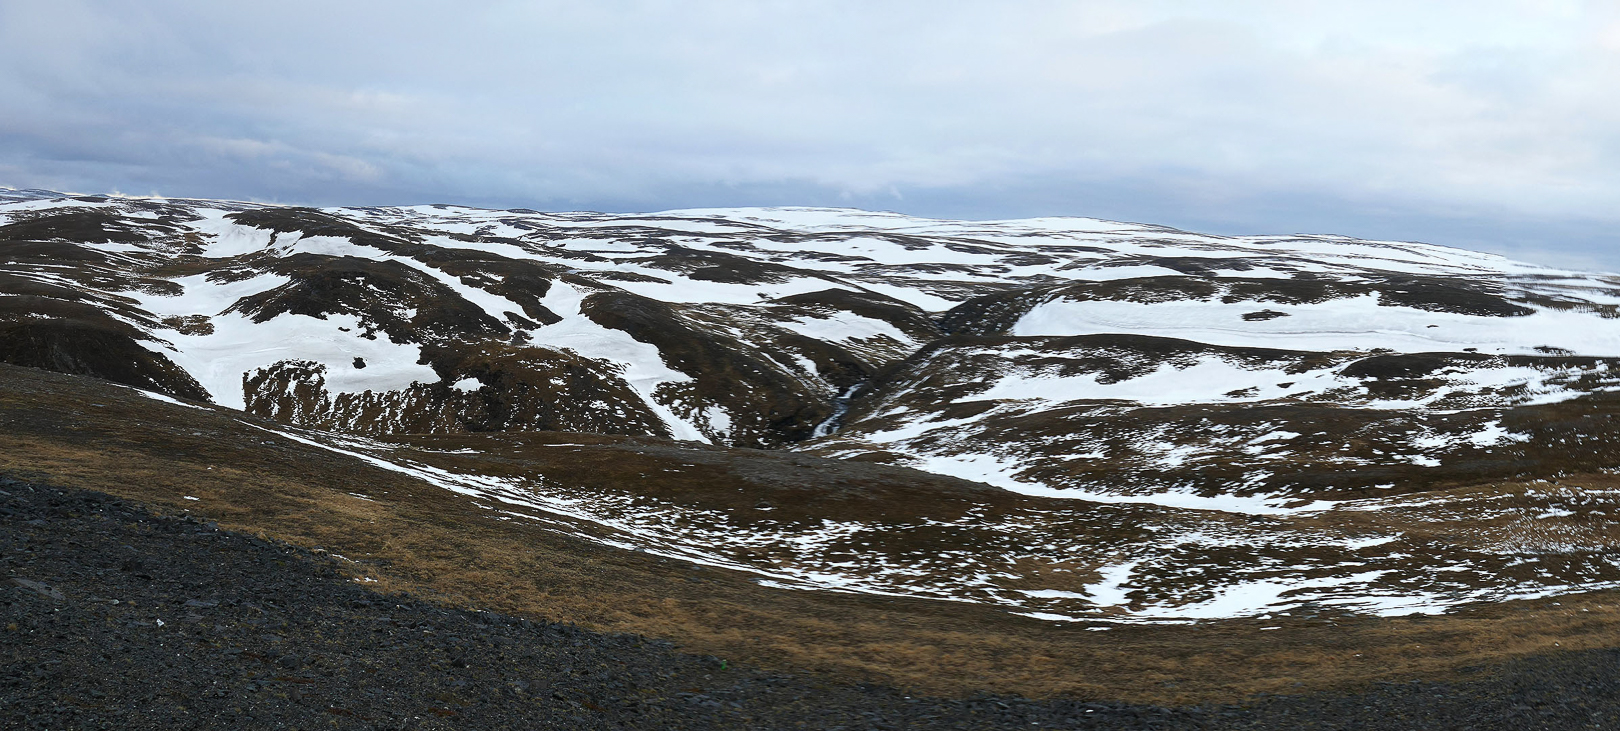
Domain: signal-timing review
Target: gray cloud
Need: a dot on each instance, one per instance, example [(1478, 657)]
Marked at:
[(1484, 124)]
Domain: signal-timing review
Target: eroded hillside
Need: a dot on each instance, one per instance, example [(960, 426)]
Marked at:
[(1137, 423)]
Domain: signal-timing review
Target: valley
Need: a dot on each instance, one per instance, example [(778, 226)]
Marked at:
[(1013, 448)]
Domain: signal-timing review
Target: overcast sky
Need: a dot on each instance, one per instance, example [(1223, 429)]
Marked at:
[(1487, 124)]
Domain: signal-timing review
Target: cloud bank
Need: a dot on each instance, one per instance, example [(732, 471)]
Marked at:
[(1489, 124)]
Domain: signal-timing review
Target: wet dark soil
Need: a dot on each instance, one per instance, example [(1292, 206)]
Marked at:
[(114, 617)]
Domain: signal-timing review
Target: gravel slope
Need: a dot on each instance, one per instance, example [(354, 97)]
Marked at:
[(112, 617)]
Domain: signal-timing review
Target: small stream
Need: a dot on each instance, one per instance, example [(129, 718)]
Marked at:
[(840, 407)]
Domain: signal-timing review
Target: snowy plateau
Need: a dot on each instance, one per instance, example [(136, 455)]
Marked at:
[(1069, 418)]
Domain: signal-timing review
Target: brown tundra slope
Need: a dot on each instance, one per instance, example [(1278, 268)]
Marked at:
[(1039, 440)]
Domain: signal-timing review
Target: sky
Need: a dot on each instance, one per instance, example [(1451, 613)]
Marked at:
[(1490, 124)]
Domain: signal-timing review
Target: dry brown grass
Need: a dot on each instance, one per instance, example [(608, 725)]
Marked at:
[(411, 536)]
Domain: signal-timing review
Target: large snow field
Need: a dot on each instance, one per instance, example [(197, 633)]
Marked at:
[(1355, 323)]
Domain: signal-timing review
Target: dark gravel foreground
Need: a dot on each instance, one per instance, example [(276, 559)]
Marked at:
[(111, 617)]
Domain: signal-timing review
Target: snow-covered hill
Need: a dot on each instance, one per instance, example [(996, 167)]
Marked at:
[(1245, 402)]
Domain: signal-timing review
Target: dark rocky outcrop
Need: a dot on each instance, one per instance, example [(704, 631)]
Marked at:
[(386, 296), (81, 339), (768, 406)]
